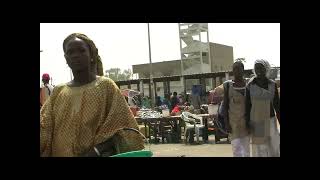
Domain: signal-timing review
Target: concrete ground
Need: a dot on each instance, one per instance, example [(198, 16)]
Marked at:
[(209, 149)]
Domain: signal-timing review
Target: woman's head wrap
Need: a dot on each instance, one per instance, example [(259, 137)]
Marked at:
[(93, 50), (266, 65)]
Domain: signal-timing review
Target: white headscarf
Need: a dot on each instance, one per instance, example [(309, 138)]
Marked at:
[(265, 63)]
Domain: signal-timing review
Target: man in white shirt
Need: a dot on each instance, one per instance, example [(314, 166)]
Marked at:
[(46, 88)]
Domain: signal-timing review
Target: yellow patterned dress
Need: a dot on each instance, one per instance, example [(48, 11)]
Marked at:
[(74, 119)]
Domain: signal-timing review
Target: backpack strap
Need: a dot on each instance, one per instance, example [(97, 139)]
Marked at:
[(48, 89)]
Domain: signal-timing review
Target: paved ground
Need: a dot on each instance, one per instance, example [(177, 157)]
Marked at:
[(195, 150)]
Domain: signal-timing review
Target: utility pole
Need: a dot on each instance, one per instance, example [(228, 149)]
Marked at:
[(150, 65)]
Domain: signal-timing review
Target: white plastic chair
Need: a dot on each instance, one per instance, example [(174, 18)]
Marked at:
[(192, 122)]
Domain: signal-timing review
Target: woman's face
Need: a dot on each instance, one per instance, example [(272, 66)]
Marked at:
[(260, 70), (78, 55)]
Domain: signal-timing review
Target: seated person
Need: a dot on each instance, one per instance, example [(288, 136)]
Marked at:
[(188, 107)]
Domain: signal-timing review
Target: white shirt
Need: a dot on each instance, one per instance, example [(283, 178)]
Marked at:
[(47, 88)]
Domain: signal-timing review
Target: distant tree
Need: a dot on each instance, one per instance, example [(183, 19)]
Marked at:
[(243, 60), (116, 74), (113, 73), (127, 74)]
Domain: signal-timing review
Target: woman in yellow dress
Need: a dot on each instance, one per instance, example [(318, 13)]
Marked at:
[(85, 116)]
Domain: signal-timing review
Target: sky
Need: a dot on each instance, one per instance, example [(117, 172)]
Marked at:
[(122, 45)]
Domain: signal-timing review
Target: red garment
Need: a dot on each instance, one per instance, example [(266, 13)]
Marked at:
[(176, 109)]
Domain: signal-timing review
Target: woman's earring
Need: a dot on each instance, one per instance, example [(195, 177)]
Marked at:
[(91, 60)]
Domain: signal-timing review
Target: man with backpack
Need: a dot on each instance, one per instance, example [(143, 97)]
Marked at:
[(46, 89)]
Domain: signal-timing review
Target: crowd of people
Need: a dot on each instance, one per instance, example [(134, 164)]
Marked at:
[(88, 115)]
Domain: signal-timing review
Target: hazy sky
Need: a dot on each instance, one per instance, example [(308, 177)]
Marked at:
[(125, 44)]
